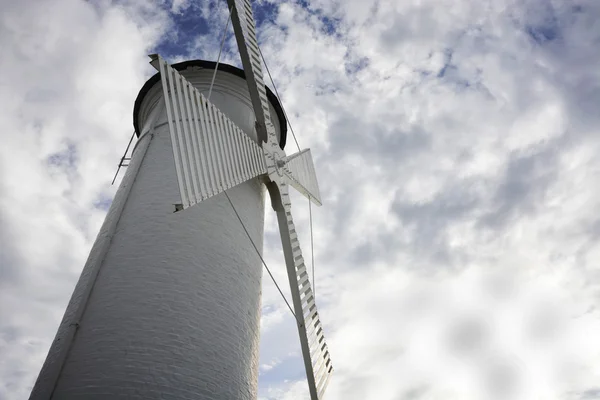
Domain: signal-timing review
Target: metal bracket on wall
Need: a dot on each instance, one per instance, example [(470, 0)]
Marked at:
[(124, 162)]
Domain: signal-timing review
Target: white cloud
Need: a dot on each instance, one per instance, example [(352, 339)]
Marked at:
[(431, 179), (456, 145)]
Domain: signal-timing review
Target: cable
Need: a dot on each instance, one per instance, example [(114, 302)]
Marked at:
[(261, 257), (312, 250), (279, 98), (230, 202), (219, 56)]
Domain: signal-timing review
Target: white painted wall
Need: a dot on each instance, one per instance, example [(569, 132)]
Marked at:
[(168, 304)]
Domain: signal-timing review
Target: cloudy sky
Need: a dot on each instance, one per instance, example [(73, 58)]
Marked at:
[(457, 145)]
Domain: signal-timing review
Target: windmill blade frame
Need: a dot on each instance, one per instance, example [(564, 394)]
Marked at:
[(317, 360), (244, 28), (297, 170), (211, 153), (300, 171)]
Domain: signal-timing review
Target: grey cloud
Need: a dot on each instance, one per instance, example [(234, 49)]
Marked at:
[(416, 393), (10, 258), (447, 206), (10, 273), (502, 378), (382, 246), (590, 394), (522, 189), (467, 335), (365, 253), (428, 221), (350, 134), (419, 24), (356, 387)]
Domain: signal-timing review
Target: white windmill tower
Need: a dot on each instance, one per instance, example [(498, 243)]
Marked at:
[(168, 304)]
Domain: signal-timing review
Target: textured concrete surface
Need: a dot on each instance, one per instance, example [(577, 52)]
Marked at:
[(168, 304)]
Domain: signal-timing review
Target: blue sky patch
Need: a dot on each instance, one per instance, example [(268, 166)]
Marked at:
[(103, 201), (542, 25), (447, 62), (64, 159), (264, 12), (542, 34), (357, 66), (189, 25), (291, 368)]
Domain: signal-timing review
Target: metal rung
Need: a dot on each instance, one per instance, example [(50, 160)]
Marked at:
[(312, 314), (305, 290), (303, 279), (317, 345), (320, 366), (310, 303), (325, 356), (324, 384), (315, 339), (313, 326)]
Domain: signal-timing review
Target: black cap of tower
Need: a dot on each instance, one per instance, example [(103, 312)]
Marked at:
[(210, 65)]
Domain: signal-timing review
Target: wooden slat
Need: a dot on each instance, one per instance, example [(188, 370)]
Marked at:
[(211, 153), (199, 145), (206, 145), (193, 144), (301, 175)]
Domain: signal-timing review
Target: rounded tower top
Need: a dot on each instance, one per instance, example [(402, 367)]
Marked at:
[(209, 65)]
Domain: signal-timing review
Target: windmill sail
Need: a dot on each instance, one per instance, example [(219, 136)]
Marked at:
[(245, 34), (317, 360), (211, 153), (298, 171), (301, 175)]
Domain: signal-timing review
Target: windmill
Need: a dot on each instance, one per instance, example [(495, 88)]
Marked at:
[(168, 303), (191, 119)]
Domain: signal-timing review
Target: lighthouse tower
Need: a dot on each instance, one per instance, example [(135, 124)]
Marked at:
[(168, 303)]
